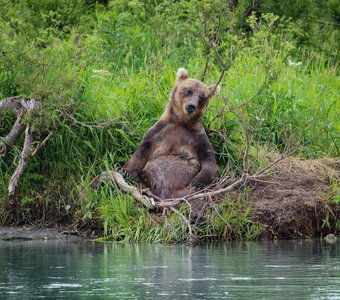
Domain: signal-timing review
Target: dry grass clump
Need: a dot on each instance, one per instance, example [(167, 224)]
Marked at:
[(298, 202)]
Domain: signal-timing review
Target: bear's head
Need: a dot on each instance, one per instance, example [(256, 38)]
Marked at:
[(189, 98)]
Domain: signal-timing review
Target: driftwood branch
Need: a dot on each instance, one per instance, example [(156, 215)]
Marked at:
[(118, 179), (151, 201)]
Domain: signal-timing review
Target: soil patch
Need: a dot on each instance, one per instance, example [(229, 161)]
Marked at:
[(298, 202)]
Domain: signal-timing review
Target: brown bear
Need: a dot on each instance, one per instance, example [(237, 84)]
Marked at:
[(175, 155)]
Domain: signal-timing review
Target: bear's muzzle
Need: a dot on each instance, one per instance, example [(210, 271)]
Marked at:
[(190, 108)]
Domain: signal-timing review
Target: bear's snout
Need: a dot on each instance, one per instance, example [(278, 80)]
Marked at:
[(190, 108)]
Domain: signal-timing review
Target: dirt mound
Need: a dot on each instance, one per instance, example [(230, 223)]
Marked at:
[(298, 201)]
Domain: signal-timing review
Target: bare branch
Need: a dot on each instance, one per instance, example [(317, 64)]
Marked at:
[(229, 188), (19, 107), (22, 161), (205, 67), (186, 221), (149, 201), (88, 124), (258, 93), (234, 108), (272, 164), (25, 106), (224, 69), (42, 144), (159, 87), (119, 180)]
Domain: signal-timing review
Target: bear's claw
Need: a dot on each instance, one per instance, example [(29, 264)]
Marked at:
[(123, 172)]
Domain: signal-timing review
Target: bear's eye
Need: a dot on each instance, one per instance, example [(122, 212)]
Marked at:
[(189, 92), (201, 97)]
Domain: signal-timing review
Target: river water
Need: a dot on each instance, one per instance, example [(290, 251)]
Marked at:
[(305, 269)]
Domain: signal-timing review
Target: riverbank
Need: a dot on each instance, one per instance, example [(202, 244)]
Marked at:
[(299, 200)]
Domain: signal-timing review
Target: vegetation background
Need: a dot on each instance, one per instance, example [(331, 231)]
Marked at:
[(115, 61)]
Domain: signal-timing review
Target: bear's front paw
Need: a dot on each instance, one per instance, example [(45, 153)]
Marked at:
[(198, 185), (125, 173)]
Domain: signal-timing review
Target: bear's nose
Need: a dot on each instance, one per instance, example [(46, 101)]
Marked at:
[(190, 108)]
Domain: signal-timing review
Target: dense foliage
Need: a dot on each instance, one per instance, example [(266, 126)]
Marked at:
[(116, 60)]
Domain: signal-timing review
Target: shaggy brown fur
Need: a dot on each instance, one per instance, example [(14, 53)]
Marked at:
[(175, 154)]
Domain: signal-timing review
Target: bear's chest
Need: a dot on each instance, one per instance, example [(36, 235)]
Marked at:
[(176, 141)]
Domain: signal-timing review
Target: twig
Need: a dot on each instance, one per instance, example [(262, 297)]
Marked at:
[(42, 144), (268, 167), (263, 181), (159, 87), (88, 124), (238, 107), (224, 69), (186, 221), (325, 23), (229, 188), (205, 67), (223, 219), (258, 93)]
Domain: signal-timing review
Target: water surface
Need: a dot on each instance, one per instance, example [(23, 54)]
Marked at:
[(307, 269)]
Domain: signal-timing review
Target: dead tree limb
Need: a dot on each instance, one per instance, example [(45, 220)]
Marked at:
[(150, 202), (118, 179), (25, 153), (20, 107), (7, 142), (14, 104)]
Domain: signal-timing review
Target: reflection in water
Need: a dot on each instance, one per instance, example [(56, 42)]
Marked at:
[(307, 269)]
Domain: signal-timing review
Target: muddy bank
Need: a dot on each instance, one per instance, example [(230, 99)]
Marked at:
[(298, 201), (33, 233)]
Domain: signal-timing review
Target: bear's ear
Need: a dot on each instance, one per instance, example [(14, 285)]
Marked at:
[(182, 74), (214, 90)]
